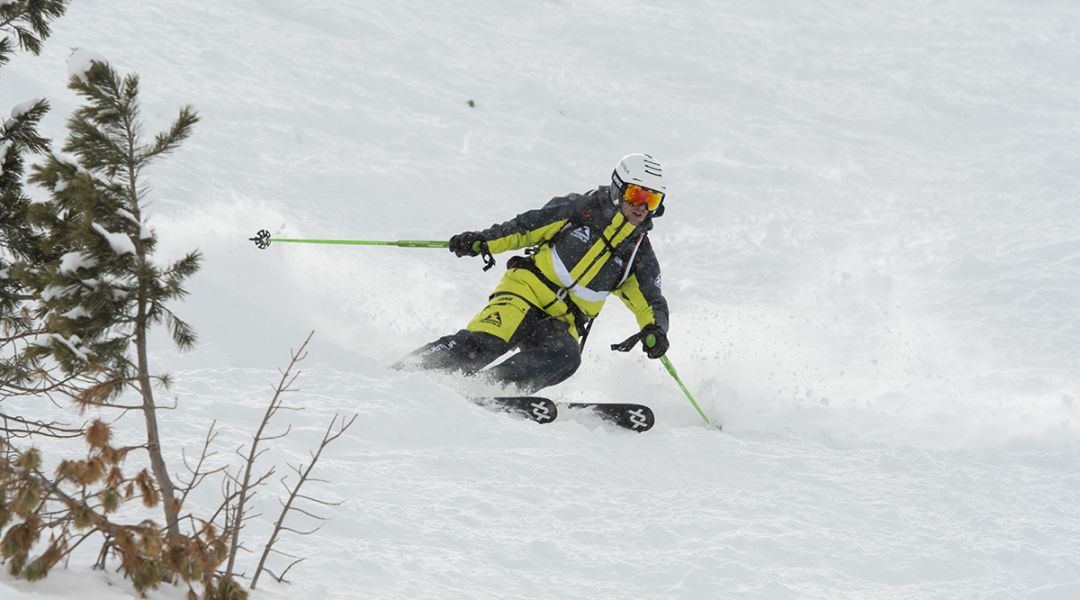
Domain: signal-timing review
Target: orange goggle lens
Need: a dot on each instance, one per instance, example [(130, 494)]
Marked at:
[(635, 195)]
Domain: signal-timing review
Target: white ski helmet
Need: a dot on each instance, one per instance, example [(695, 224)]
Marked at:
[(641, 170)]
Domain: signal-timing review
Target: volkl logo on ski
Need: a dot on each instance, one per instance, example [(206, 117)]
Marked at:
[(540, 412), (638, 419)]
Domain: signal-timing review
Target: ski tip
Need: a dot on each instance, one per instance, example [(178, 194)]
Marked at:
[(633, 417)]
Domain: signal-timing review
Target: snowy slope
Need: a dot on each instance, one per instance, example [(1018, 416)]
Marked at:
[(870, 250)]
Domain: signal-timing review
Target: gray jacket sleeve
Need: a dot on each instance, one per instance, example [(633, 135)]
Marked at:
[(535, 226)]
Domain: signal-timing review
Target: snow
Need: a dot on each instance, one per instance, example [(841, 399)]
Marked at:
[(145, 232), (61, 585), (81, 60), (18, 111), (72, 343), (870, 250), (57, 291), (120, 243), (73, 261), (67, 159), (76, 313), (24, 107), (128, 215)]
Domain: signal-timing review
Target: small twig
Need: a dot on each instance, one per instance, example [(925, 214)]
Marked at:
[(197, 476), (51, 429), (298, 532), (245, 483), (328, 437), (281, 578), (308, 514), (317, 501), (279, 436)]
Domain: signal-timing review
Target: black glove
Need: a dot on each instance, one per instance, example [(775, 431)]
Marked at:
[(653, 333), (467, 244)]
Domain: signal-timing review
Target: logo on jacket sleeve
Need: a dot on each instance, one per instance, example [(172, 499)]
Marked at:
[(581, 233), (656, 282)]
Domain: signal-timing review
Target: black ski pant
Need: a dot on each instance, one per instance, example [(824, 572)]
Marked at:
[(547, 355)]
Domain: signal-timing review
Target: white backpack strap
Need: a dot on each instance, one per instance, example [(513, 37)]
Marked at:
[(630, 263)]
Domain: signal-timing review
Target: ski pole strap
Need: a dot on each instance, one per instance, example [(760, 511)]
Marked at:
[(481, 248), (627, 344)]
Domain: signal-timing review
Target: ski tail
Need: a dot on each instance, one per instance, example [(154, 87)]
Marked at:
[(534, 408)]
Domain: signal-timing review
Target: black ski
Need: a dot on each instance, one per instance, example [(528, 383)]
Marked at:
[(533, 408), (635, 417)]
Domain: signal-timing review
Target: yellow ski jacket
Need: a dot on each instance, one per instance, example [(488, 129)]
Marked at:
[(586, 250)]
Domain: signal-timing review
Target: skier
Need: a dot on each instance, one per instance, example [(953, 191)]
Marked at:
[(579, 249)]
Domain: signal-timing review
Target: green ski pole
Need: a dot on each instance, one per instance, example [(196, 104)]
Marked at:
[(650, 341), (671, 369), (262, 241)]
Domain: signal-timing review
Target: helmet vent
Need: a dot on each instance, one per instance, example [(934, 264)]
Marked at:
[(652, 167), (642, 169)]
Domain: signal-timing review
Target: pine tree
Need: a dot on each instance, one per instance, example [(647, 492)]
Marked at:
[(92, 294), (27, 21), (102, 294), (80, 293), (18, 241), (23, 24)]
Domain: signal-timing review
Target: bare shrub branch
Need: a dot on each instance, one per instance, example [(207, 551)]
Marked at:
[(294, 495), (245, 483)]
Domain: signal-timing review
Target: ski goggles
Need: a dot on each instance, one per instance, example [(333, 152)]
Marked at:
[(635, 195)]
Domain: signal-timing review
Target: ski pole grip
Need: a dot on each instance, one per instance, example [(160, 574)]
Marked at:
[(650, 341)]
